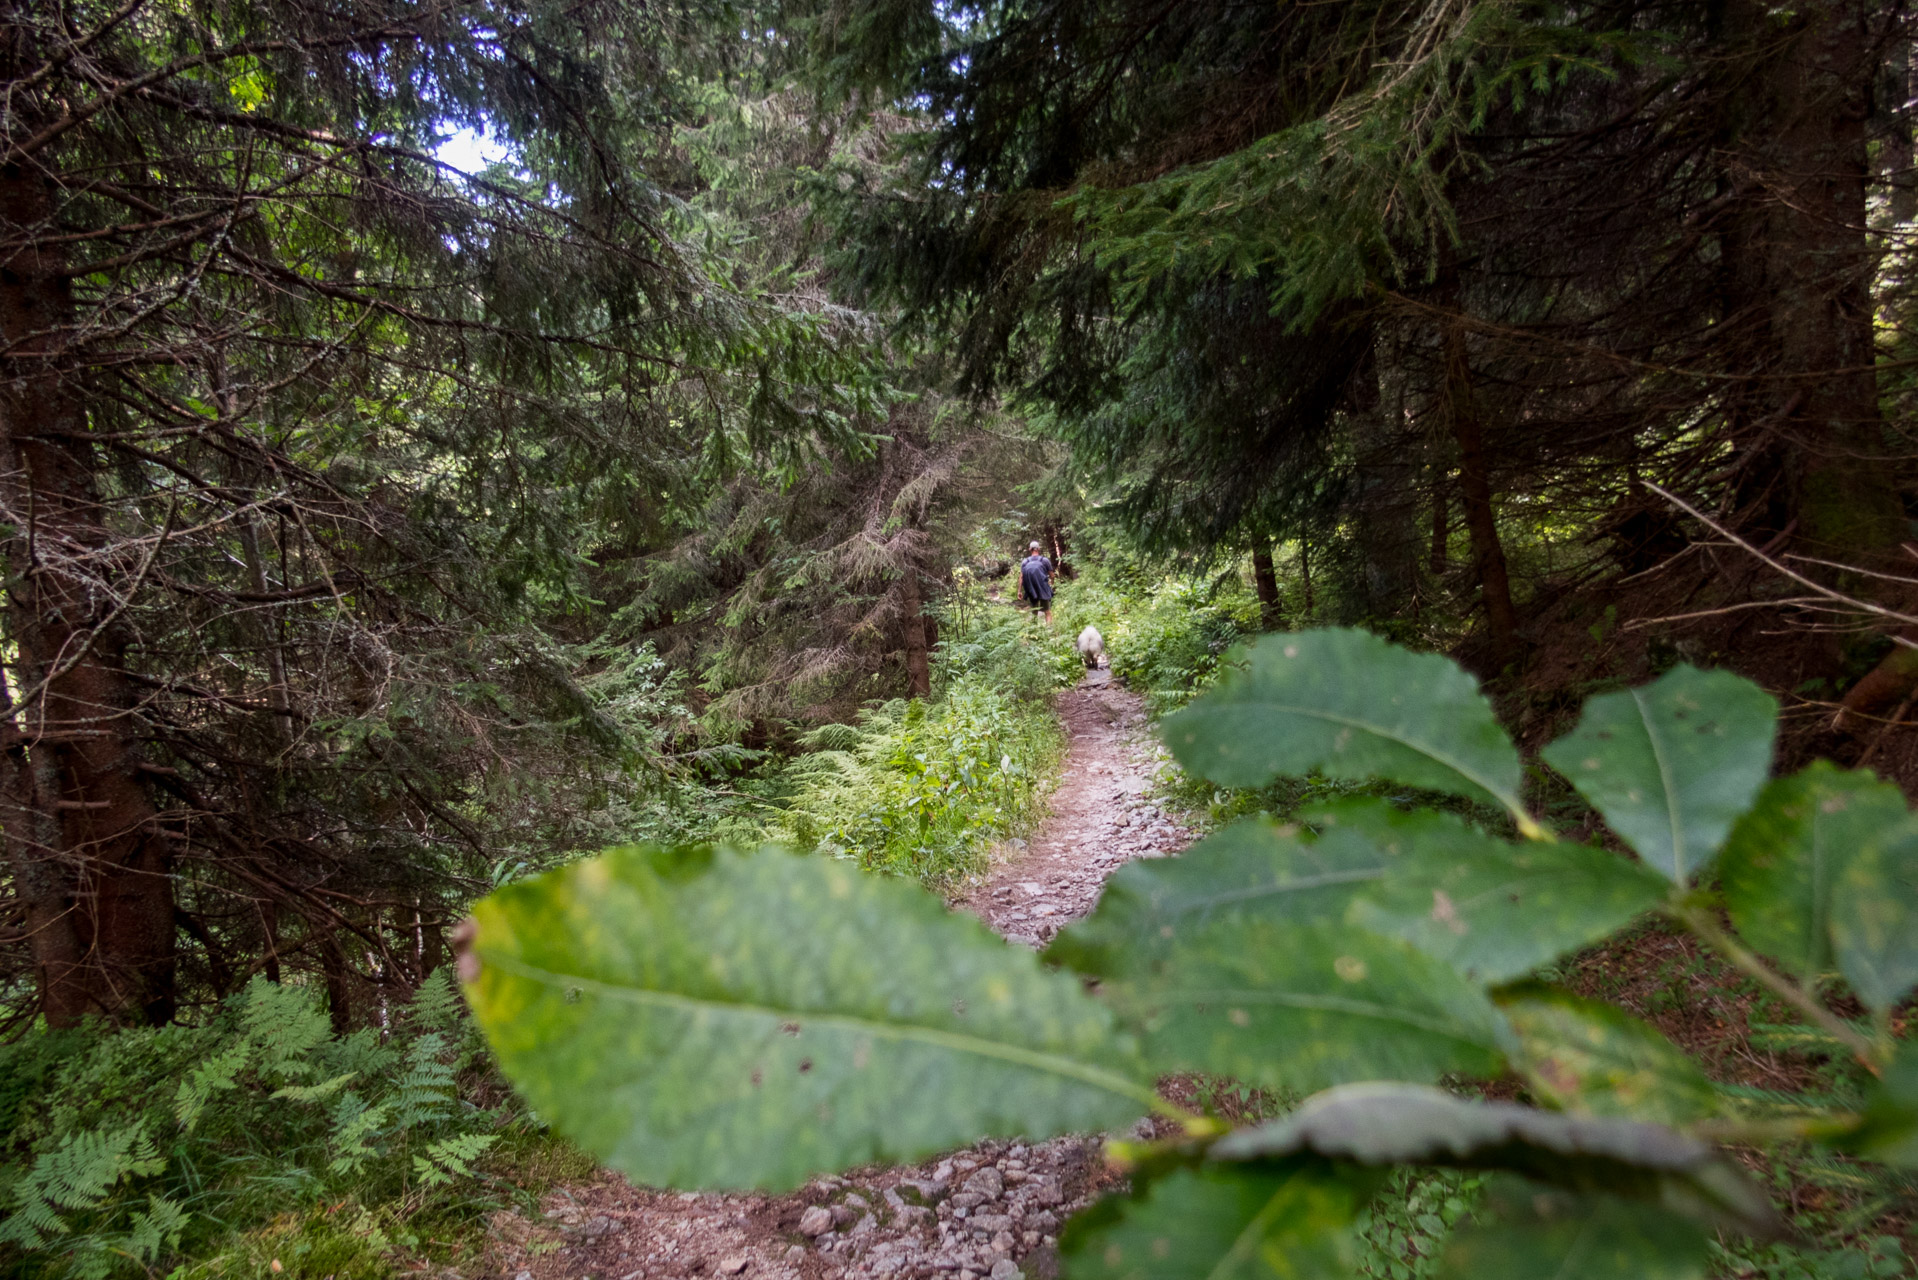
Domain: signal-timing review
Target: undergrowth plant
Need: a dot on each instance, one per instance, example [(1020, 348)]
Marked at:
[(1164, 637), (123, 1151), (922, 789), (712, 1018)]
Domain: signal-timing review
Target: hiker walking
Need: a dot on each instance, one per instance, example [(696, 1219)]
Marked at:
[(1035, 582)]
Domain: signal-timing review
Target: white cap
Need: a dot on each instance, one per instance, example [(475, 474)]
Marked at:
[(1035, 546)]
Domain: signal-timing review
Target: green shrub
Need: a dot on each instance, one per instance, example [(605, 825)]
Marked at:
[(922, 789), (716, 1018), (123, 1151), (1164, 638)]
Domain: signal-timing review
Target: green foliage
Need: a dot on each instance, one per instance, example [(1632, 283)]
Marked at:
[(1672, 765), (1592, 1058), (1289, 957), (1526, 1231), (1294, 1220), (923, 788), (1353, 706), (1165, 634), (145, 1145), (680, 1015)]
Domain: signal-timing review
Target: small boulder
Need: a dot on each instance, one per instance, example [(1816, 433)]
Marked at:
[(988, 1182), (816, 1221)]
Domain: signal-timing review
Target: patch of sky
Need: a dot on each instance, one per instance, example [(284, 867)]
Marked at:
[(471, 151)]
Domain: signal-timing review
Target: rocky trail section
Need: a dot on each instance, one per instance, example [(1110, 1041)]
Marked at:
[(989, 1211)]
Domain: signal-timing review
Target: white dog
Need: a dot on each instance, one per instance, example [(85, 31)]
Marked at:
[(1092, 647)]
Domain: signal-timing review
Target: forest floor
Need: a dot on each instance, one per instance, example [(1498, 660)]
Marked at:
[(991, 1210)]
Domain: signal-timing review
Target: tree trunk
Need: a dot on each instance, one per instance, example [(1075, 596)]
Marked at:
[(88, 858), (1898, 152), (1441, 554), (1819, 268), (1266, 580), (1475, 491), (1387, 500), (1305, 576), (912, 610)]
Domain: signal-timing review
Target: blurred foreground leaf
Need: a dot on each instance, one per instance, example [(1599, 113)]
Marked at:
[(1527, 1230), (1291, 1221), (1386, 1124), (1303, 1006), (1354, 706), (1673, 763), (1785, 859), (1491, 909), (1254, 869), (1595, 1059), (724, 1019)]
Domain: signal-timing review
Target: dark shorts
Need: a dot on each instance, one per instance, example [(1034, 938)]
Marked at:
[(1040, 606)]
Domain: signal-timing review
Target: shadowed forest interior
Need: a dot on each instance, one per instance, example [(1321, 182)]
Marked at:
[(440, 441)]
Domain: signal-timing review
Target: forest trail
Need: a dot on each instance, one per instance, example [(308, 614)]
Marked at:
[(990, 1210)]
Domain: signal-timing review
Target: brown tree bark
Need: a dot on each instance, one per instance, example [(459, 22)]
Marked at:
[(1387, 500), (1305, 577), (1441, 554), (1819, 264), (80, 835), (912, 609), (1475, 492), (1265, 580)]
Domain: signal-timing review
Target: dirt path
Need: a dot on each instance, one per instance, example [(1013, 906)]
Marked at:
[(991, 1210)]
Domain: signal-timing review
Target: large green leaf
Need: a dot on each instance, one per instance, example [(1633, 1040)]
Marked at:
[(1254, 868), (1300, 1006), (1386, 1124), (1887, 1128), (1291, 1221), (1673, 763), (1874, 916), (1593, 1058), (1492, 909), (702, 1018), (1354, 706), (1531, 1232), (1785, 858)]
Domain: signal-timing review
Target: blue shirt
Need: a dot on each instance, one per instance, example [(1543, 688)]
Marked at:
[(1035, 580)]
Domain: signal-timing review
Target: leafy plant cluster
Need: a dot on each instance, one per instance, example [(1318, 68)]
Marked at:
[(922, 788), (704, 1017), (1165, 632), (124, 1151)]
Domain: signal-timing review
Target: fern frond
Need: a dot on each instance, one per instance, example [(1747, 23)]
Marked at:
[(155, 1230), (437, 1005), (76, 1175), (426, 1089), (315, 1092), (215, 1075), (451, 1158), (355, 1124), (286, 1024)]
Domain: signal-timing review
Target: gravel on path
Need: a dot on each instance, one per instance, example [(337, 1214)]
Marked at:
[(989, 1212)]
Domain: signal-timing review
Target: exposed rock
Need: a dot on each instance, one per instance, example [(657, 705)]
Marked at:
[(734, 1265), (987, 1182), (1006, 1269), (816, 1221)]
